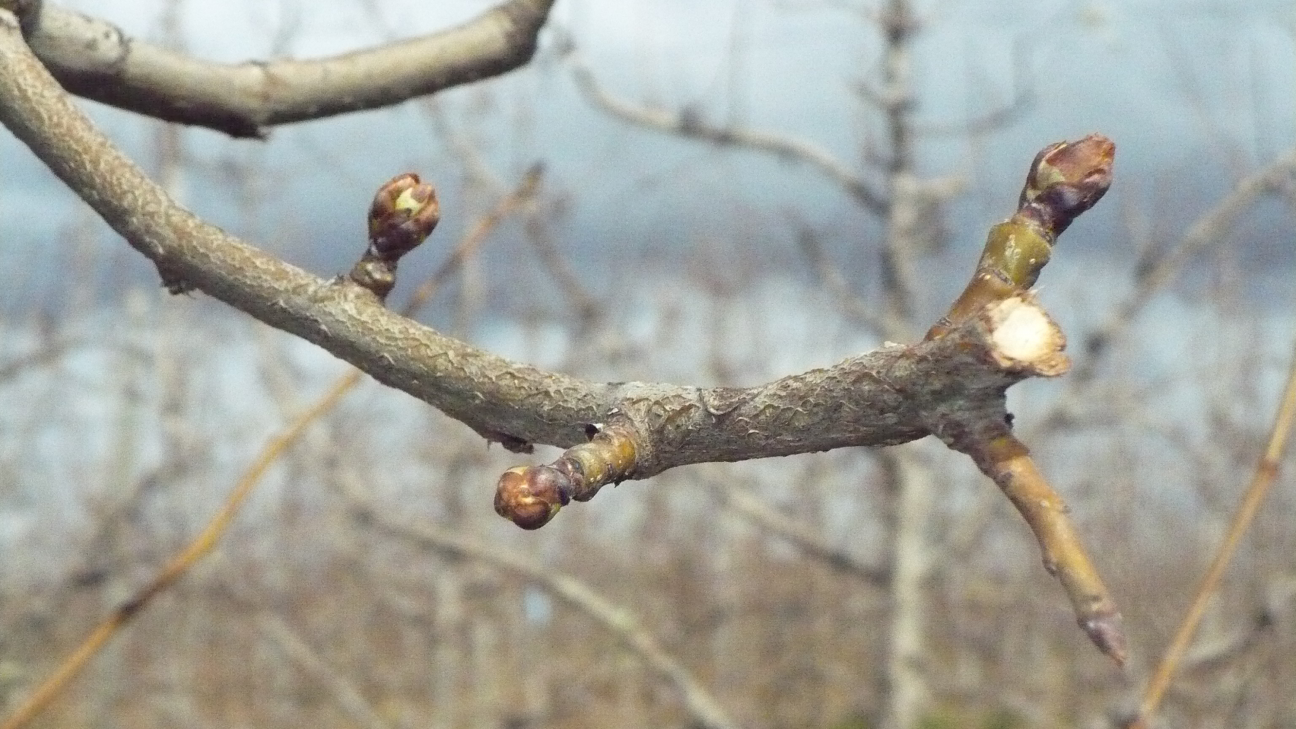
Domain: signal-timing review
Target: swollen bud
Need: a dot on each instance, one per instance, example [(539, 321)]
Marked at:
[(402, 215), (1067, 179), (530, 496)]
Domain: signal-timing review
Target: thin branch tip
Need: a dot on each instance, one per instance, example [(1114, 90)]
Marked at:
[(1107, 631)]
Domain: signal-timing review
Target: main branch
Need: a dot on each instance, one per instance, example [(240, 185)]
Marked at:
[(952, 384), (869, 400)]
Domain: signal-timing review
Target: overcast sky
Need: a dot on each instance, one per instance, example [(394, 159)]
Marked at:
[(1194, 93)]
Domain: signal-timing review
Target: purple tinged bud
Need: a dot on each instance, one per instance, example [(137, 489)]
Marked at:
[(403, 214), (1067, 179), (530, 496)]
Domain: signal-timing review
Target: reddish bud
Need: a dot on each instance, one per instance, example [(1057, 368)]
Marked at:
[(1067, 179), (530, 496), (403, 214)]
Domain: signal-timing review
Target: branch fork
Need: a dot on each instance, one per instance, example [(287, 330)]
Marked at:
[(951, 384), (994, 335)]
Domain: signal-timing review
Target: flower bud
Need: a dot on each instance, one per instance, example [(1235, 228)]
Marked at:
[(1067, 179), (403, 214), (530, 496)]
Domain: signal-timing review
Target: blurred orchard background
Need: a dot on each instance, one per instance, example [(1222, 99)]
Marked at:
[(852, 589)]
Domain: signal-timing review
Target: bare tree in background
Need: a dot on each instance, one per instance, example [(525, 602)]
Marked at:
[(893, 189), (951, 384)]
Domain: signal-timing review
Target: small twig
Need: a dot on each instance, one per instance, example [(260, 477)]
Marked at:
[(800, 535), (1008, 461), (1266, 471), (701, 704), (691, 124), (1064, 181)]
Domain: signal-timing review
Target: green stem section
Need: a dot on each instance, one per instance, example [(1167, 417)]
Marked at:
[(1064, 180), (1015, 252)]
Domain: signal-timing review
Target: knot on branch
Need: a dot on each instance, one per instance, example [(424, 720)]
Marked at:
[(1006, 342)]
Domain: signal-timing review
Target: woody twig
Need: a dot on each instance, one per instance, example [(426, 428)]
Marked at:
[(1065, 180)]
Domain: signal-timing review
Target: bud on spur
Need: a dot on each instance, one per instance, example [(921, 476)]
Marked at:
[(530, 496), (1065, 180), (403, 214)]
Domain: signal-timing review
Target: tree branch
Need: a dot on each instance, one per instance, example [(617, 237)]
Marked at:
[(952, 384), (692, 125), (97, 60), (872, 399), (627, 627)]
